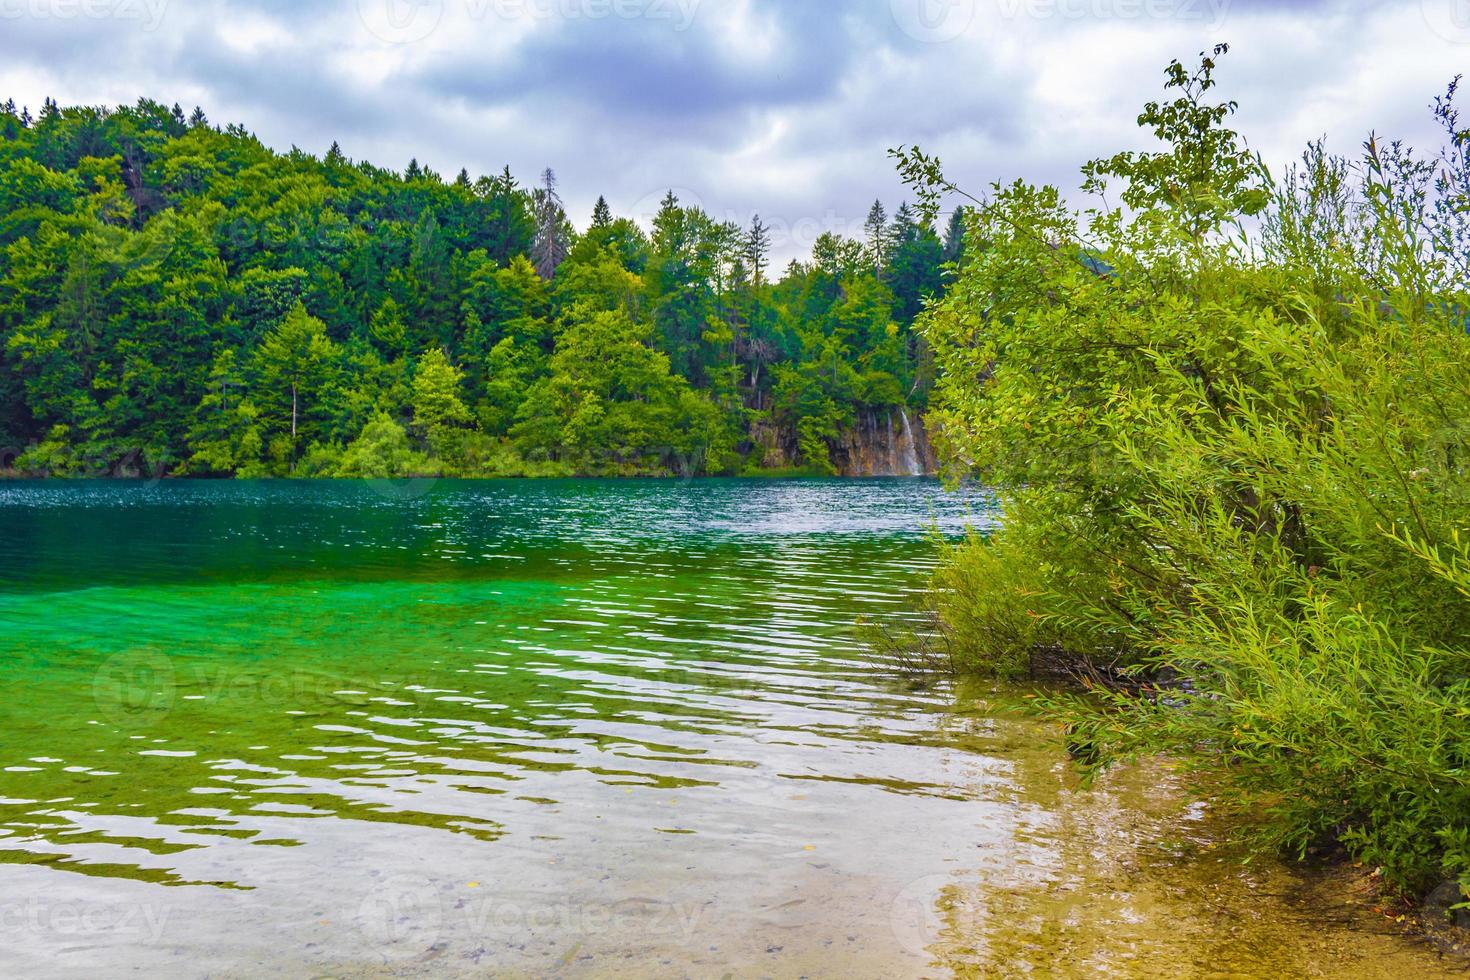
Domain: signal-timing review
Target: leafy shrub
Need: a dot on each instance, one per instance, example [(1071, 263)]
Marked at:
[(1227, 427)]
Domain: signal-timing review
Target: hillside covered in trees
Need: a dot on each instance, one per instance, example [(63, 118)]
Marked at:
[(178, 298)]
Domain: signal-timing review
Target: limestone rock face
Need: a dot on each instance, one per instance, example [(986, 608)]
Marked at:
[(881, 443), (886, 443), (773, 447)]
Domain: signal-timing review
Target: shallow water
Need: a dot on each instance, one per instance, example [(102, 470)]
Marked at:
[(580, 728)]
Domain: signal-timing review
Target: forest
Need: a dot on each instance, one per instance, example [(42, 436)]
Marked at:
[(177, 299)]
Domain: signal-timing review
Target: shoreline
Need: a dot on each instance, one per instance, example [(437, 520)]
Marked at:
[(12, 477)]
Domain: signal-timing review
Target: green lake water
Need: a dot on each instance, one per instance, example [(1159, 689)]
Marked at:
[(564, 728)]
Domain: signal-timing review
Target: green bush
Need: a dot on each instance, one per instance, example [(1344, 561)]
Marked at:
[(383, 452), (1228, 429)]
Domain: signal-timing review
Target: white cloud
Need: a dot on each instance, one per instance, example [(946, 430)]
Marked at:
[(772, 106)]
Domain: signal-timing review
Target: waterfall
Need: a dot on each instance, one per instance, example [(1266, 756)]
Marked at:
[(892, 448), (911, 449)]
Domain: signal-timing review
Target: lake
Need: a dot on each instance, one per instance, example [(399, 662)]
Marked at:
[(568, 728)]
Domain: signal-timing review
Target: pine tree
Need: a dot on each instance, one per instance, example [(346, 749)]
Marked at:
[(512, 231), (198, 119), (880, 237), (669, 226), (954, 236), (913, 271), (601, 214), (757, 247), (550, 247)]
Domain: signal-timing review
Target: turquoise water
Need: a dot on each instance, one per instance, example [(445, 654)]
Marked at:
[(581, 728)]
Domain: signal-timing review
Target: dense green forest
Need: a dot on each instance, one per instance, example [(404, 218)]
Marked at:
[(1226, 413), (178, 298)]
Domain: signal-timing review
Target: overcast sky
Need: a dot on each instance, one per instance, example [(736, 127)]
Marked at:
[(782, 107)]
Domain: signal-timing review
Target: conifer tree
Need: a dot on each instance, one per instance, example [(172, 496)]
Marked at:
[(954, 236), (880, 237), (601, 214), (757, 248), (551, 245)]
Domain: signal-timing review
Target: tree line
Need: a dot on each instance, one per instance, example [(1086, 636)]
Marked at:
[(177, 298)]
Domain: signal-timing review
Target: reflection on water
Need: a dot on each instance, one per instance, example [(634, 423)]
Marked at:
[(588, 728)]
